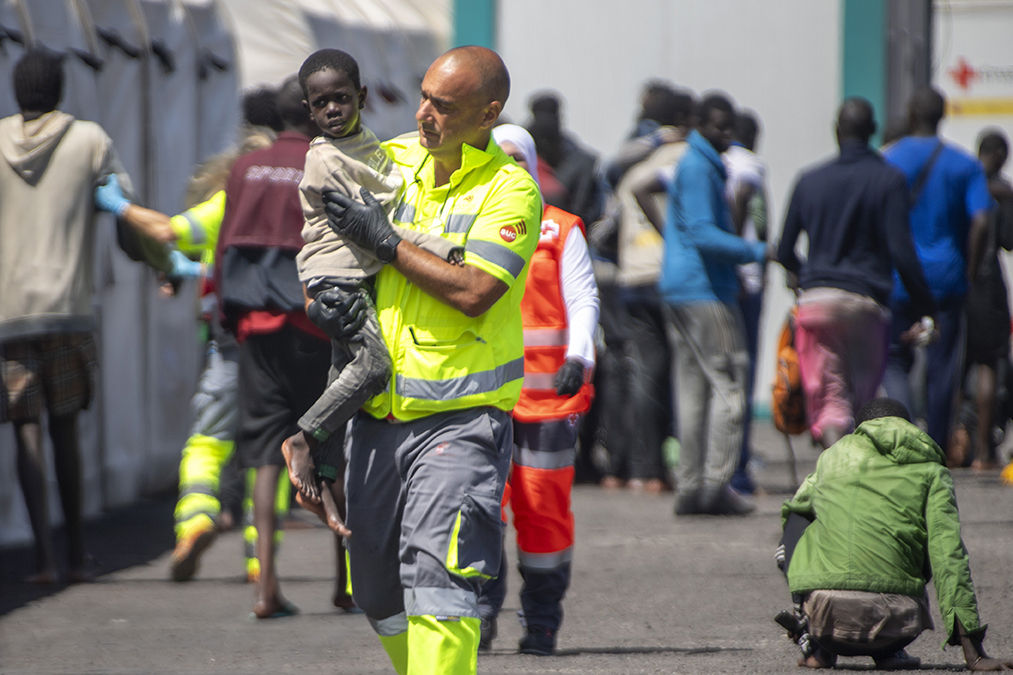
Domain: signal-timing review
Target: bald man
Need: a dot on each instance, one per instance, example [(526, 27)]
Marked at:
[(429, 456), (854, 210)]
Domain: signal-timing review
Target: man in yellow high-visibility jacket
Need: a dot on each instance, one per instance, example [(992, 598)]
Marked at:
[(429, 456)]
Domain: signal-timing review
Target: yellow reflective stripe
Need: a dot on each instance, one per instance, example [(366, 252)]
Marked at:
[(348, 573), (546, 337), (452, 560)]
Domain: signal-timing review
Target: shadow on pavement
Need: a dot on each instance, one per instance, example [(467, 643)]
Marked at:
[(125, 537), (577, 651)]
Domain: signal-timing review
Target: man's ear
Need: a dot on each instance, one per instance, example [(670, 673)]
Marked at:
[(362, 97), (490, 114), (306, 104)]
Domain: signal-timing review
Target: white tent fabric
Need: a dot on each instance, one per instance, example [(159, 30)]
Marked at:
[(394, 42), (124, 285), (163, 78), (173, 354)]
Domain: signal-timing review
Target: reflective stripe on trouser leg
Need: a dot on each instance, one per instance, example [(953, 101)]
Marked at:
[(541, 481), (199, 473), (442, 646)]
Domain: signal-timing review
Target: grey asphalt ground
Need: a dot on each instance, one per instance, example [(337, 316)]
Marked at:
[(651, 594)]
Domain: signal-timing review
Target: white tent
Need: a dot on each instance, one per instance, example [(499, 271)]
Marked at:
[(163, 77), (394, 42), (149, 354)]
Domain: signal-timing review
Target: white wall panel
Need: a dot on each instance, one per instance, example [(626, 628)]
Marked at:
[(781, 58)]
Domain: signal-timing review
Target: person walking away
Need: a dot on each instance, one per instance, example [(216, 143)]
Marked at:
[(986, 362), (56, 172), (205, 485), (854, 211), (949, 221), (560, 315), (283, 357)]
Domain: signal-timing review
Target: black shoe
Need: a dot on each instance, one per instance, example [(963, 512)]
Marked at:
[(539, 641), (720, 500), (687, 503), (487, 633)]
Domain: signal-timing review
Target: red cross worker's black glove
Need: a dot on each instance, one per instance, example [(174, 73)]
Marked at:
[(569, 378)]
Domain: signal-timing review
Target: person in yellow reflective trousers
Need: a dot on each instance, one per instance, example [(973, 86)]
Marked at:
[(429, 456)]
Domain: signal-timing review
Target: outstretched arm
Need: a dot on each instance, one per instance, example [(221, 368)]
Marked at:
[(109, 197)]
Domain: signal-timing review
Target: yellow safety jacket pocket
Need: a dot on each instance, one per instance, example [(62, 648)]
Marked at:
[(465, 361)]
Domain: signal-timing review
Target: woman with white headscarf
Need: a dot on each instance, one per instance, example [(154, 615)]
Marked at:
[(560, 311)]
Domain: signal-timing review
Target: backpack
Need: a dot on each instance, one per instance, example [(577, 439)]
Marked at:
[(787, 405)]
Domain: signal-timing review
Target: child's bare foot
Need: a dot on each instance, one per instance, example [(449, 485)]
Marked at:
[(334, 519), (326, 510), (297, 451)]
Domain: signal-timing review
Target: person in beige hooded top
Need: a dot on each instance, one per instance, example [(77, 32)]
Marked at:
[(55, 172)]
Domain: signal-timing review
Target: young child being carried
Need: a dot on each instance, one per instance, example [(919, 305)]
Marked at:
[(338, 275)]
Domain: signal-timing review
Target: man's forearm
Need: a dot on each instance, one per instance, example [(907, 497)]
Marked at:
[(152, 224), (463, 287)]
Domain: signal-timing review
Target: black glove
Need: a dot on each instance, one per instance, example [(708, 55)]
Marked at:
[(338, 313), (569, 378), (365, 224)]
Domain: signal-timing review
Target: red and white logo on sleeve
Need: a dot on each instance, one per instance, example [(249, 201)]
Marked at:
[(508, 233)]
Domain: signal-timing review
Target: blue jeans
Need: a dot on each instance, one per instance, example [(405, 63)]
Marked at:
[(944, 360)]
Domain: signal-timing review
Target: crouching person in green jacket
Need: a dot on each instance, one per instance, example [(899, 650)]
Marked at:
[(862, 537)]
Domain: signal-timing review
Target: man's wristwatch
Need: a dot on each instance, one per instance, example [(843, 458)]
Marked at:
[(386, 251)]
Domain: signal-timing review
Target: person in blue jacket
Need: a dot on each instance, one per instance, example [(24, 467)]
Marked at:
[(703, 320)]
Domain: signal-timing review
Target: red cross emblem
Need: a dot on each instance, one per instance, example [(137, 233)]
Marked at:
[(963, 74)]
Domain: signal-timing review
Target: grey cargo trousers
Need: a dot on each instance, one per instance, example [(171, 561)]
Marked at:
[(424, 510)]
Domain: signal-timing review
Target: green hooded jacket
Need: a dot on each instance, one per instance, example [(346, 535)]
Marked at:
[(884, 520)]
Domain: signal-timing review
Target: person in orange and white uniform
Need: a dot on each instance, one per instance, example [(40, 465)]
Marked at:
[(560, 311)]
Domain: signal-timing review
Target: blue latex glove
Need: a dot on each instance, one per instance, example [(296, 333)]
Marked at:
[(109, 197), (183, 267)]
